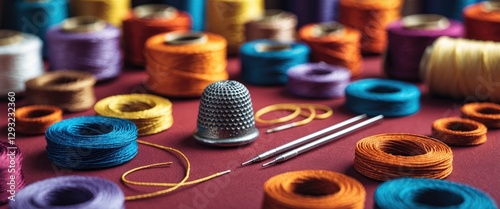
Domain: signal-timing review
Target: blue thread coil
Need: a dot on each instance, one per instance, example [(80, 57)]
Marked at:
[(91, 142), (270, 67), (37, 17), (448, 8), (196, 8), (423, 193), (313, 11), (382, 97)]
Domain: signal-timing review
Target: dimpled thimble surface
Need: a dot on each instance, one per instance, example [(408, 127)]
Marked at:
[(226, 116)]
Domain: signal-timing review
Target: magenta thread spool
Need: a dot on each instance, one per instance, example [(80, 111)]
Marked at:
[(85, 44), (408, 39)]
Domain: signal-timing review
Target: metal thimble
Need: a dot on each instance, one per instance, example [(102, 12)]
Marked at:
[(226, 116)]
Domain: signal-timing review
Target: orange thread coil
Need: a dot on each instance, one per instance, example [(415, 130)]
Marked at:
[(486, 113), (36, 119), (137, 30), (388, 156), (459, 131), (482, 23), (371, 18), (185, 70), (342, 48), (313, 189)]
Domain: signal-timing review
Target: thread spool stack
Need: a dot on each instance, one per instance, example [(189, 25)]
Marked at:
[(474, 64), (313, 11), (71, 91), (313, 189), (37, 16), (65, 192), (265, 62), (228, 18), (98, 45), (146, 21), (20, 60), (408, 40), (276, 25), (184, 64), (371, 18), (11, 160), (111, 11), (334, 44), (195, 8), (482, 21)]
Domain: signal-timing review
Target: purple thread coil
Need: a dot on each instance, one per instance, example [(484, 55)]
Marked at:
[(406, 47), (96, 52), (313, 11), (70, 192), (318, 80), (10, 172)]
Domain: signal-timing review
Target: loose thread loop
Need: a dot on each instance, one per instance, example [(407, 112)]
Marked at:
[(297, 110), (173, 186)]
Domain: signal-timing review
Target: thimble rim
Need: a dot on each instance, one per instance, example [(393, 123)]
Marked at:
[(251, 136)]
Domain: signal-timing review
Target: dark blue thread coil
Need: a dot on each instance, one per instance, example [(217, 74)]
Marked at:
[(265, 62), (423, 193), (448, 8), (91, 142), (382, 97)]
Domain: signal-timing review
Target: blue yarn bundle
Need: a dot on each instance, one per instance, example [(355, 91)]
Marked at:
[(262, 64), (382, 97), (448, 8), (37, 17), (196, 8), (91, 142), (423, 193)]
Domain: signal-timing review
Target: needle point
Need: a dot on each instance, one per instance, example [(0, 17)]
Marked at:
[(269, 163), (247, 163)]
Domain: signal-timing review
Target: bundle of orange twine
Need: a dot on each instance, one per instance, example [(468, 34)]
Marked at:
[(183, 64), (388, 156), (313, 189), (146, 21), (482, 21), (334, 44), (371, 18), (459, 131), (486, 113), (36, 119)]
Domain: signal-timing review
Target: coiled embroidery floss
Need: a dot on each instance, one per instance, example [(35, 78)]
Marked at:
[(20, 60), (388, 156), (184, 64), (318, 80), (417, 193), (335, 44), (71, 91), (146, 21), (486, 113), (371, 19), (482, 21), (98, 45), (382, 97), (228, 18), (37, 16), (312, 11), (151, 114), (91, 142), (36, 119), (475, 66), (111, 11), (276, 25), (70, 192), (408, 40), (313, 189), (195, 8), (11, 172), (265, 62), (459, 131)]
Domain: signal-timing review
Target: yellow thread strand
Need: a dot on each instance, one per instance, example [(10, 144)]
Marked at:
[(174, 186), (112, 11)]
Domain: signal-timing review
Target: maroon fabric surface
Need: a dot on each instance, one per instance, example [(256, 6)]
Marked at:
[(243, 187)]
